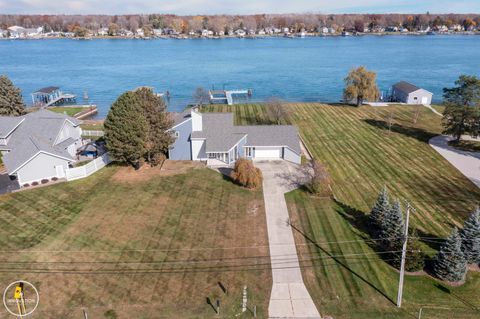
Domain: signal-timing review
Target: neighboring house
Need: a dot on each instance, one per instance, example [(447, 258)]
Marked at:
[(410, 94), (240, 33), (39, 145), (214, 138)]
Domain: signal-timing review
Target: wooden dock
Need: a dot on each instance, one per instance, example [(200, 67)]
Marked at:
[(227, 96)]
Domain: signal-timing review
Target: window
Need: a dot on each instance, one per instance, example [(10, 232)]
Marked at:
[(248, 151), (177, 134), (415, 98)]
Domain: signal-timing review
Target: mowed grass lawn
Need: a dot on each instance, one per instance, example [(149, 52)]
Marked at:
[(362, 154), (69, 110), (149, 245)]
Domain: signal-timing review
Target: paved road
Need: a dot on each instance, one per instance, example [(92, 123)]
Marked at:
[(289, 297), (466, 162)]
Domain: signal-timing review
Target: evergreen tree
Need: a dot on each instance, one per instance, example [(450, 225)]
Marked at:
[(379, 210), (11, 101), (462, 115), (450, 263), (392, 230), (158, 121), (415, 260), (125, 130), (471, 237)]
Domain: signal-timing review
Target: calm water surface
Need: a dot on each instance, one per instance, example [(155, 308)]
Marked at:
[(310, 69)]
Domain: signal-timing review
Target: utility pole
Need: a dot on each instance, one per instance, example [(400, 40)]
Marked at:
[(404, 255)]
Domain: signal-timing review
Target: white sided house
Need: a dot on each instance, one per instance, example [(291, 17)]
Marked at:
[(408, 93), (213, 137), (39, 145)]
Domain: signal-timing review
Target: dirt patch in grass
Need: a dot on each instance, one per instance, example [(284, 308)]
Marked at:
[(146, 172)]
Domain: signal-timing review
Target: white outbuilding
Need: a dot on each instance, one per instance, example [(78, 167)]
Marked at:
[(408, 93)]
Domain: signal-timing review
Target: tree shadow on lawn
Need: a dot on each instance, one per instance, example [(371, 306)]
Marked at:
[(417, 133), (340, 262)]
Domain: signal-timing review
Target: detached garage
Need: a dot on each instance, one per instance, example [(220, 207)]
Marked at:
[(408, 93)]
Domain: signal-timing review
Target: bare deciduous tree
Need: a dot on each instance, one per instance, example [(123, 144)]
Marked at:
[(201, 96), (277, 111), (316, 178)]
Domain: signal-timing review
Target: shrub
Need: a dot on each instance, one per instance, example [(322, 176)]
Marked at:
[(54, 179), (26, 185), (318, 179), (110, 314), (34, 183), (158, 159), (44, 181), (246, 174)]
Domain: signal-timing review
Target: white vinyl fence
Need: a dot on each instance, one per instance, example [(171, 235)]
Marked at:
[(88, 169), (92, 133)]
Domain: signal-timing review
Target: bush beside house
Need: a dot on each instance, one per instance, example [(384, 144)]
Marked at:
[(246, 174)]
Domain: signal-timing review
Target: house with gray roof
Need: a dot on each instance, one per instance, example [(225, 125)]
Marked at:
[(214, 138), (408, 93), (39, 145)]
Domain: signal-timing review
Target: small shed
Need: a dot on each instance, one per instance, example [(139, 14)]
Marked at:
[(408, 93)]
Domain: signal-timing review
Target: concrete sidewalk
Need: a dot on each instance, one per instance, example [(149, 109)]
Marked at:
[(289, 297), (466, 162)]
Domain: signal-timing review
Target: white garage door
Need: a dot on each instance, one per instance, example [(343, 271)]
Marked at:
[(424, 100), (268, 153)]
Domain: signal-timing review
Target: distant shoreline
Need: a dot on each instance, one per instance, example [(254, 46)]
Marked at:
[(251, 37)]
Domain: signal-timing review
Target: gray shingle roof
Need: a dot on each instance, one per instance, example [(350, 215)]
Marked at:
[(7, 124), (272, 135), (221, 134), (179, 117), (406, 87), (37, 132)]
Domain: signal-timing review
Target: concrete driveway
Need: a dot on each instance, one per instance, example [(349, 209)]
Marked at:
[(466, 162), (289, 297)]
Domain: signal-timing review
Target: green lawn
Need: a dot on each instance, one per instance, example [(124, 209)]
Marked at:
[(145, 245), (70, 110), (362, 154)]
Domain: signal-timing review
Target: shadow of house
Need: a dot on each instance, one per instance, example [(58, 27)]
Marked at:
[(417, 133)]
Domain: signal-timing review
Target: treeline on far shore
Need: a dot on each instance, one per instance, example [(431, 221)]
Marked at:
[(218, 25)]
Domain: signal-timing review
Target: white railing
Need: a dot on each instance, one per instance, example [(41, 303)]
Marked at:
[(88, 169), (92, 133)]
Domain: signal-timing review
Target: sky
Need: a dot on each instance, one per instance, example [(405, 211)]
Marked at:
[(189, 7)]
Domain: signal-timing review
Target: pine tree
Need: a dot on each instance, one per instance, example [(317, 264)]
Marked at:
[(392, 230), (415, 259), (471, 237), (11, 101), (450, 263), (379, 210), (125, 130), (157, 138)]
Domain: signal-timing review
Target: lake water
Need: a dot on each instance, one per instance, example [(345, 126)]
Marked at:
[(310, 69)]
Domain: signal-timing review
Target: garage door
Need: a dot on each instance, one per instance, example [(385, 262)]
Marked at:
[(268, 153), (424, 100)]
